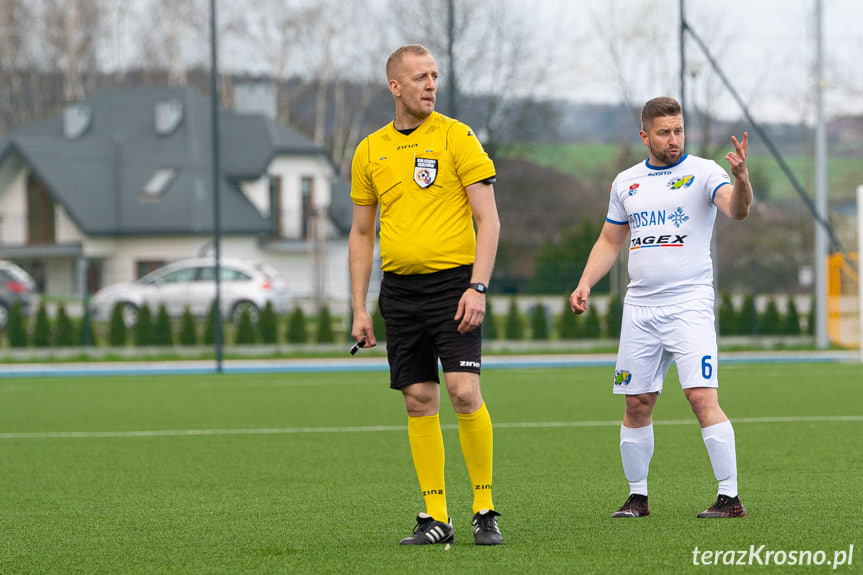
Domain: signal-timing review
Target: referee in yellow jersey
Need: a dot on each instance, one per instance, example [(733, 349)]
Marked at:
[(432, 180)]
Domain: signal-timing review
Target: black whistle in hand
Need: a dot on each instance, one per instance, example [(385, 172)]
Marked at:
[(356, 347)]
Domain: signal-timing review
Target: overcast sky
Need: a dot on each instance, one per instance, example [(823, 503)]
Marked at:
[(765, 47), (609, 50)]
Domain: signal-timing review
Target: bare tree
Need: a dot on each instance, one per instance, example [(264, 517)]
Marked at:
[(328, 45), (496, 57), (15, 17), (70, 29), (634, 55)]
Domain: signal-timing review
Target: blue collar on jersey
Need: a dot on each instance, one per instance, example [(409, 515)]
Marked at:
[(647, 163)]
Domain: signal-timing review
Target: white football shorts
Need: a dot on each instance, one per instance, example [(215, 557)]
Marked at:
[(651, 337)]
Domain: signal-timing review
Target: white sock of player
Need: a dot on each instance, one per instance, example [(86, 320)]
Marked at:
[(719, 440), (636, 449)]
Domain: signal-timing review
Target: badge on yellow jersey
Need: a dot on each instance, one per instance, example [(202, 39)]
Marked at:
[(425, 172)]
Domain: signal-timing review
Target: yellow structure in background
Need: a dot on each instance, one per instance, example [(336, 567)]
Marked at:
[(843, 301)]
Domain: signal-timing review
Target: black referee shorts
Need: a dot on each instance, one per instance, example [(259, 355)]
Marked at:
[(418, 312)]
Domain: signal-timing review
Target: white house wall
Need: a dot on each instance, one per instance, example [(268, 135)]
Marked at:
[(65, 230), (13, 211), (61, 276), (292, 170)]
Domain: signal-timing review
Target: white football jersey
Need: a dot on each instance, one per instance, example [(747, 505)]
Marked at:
[(670, 213)]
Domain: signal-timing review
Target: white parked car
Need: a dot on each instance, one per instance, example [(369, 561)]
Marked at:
[(191, 284)]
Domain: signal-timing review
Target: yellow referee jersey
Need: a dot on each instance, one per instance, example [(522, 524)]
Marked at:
[(419, 181)]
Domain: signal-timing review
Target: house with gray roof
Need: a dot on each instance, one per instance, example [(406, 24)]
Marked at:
[(121, 183)]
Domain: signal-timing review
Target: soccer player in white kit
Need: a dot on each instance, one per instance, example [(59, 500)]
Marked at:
[(667, 206)]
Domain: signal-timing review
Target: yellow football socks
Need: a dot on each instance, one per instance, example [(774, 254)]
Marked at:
[(427, 450), (476, 437)]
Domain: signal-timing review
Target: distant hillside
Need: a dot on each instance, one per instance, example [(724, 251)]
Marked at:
[(597, 164)]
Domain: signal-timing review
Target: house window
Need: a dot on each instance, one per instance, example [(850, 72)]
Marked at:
[(94, 276), (158, 183), (276, 205), (40, 214), (308, 190), (143, 267)]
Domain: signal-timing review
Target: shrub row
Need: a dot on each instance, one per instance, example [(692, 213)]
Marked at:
[(537, 324), (63, 331)]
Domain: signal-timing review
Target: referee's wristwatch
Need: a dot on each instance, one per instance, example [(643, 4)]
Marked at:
[(478, 286)]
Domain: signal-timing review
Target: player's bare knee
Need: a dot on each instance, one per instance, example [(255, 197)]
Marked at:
[(639, 408), (421, 400), (704, 403), (465, 399)]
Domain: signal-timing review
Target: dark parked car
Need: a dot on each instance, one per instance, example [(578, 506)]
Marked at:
[(16, 285)]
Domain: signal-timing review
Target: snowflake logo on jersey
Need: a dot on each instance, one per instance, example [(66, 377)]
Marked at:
[(677, 217), (679, 183), (633, 189)]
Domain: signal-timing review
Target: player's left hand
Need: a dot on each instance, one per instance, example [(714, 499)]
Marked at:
[(471, 311), (737, 158)]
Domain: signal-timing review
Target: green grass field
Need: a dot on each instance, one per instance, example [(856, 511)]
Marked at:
[(311, 473)]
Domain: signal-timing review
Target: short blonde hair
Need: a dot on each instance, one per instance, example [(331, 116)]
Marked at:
[(395, 59)]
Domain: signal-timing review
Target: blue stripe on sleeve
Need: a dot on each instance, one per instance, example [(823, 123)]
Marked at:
[(713, 195)]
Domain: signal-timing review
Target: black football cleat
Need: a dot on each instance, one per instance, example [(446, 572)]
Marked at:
[(724, 507), (635, 506)]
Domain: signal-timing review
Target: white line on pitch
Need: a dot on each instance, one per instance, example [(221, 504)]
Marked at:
[(379, 428)]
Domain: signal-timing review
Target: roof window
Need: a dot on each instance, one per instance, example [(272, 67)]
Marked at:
[(158, 183)]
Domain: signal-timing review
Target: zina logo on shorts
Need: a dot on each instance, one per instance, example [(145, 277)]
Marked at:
[(622, 377)]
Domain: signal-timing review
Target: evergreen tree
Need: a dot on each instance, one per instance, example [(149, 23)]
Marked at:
[(810, 325), (325, 326), (245, 328), (117, 333), (727, 316), (65, 328), (42, 329), (145, 333), (350, 326), (514, 325), (791, 323), (268, 323), (567, 323), (770, 322), (538, 323), (210, 326), (88, 338), (613, 319), (747, 321), (378, 325), (16, 328), (489, 328), (558, 263), (297, 327), (188, 330), (163, 334), (590, 324)]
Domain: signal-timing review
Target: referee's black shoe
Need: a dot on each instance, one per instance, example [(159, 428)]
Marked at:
[(428, 531), (635, 506), (485, 529)]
